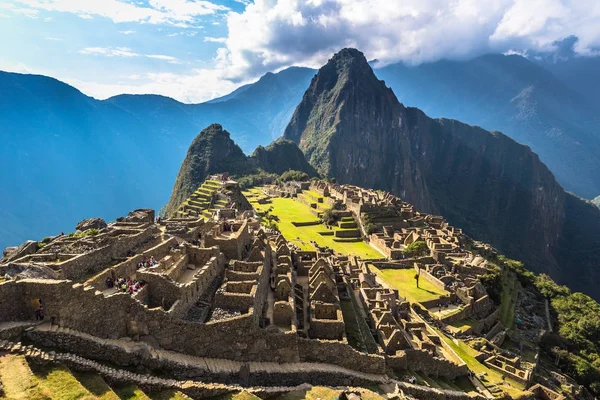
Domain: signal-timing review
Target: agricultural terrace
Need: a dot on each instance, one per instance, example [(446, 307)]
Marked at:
[(493, 380), (289, 210)]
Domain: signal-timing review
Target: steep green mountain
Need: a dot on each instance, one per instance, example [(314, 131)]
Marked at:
[(280, 156), (213, 151), (352, 127), (518, 97)]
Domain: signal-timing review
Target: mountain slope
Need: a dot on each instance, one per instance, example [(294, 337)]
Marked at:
[(213, 151), (69, 156), (351, 126), (281, 156), (581, 74), (518, 97)]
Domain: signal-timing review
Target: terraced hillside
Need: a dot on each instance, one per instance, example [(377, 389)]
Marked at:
[(298, 220), (24, 380), (203, 201)]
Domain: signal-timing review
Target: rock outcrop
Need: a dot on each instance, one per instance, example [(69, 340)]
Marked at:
[(91, 223), (352, 127), (29, 247)]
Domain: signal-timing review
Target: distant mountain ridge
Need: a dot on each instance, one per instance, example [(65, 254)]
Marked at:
[(352, 127), (71, 156), (518, 97)]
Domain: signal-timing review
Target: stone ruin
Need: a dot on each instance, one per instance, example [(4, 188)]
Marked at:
[(220, 300)]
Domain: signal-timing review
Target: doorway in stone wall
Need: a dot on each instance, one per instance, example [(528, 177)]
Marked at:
[(37, 309)]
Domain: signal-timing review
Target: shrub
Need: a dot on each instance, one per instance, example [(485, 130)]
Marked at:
[(292, 175), (549, 288), (329, 217), (416, 249)]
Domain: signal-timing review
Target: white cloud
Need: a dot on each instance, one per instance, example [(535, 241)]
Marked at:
[(271, 34), (109, 51), (215, 39), (54, 39), (126, 52), (182, 13), (28, 12), (130, 32), (197, 86), (169, 59)]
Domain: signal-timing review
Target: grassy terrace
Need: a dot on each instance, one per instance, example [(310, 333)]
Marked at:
[(29, 382), (508, 299), (404, 281), (290, 210), (492, 377)]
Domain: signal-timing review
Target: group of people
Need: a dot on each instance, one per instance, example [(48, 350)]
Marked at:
[(412, 379), (125, 285), (147, 262)]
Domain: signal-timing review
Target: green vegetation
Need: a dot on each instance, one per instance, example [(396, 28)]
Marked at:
[(21, 381), (353, 332), (416, 249), (58, 383), (508, 298), (292, 175), (96, 386), (404, 281), (285, 211), (467, 354), (130, 392), (258, 178), (89, 232), (576, 345), (325, 393), (329, 217)]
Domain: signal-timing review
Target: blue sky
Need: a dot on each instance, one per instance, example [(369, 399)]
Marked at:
[(195, 50)]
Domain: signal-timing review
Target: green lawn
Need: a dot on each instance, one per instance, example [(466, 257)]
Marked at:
[(404, 281), (290, 210), (464, 325), (508, 300)]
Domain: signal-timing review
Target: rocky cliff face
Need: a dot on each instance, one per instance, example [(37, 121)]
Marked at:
[(349, 125), (352, 127)]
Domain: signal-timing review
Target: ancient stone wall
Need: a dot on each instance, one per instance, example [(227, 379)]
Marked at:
[(338, 353), (96, 260), (129, 267), (235, 246), (423, 362)]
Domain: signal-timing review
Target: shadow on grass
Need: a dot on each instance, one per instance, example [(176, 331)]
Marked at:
[(428, 291)]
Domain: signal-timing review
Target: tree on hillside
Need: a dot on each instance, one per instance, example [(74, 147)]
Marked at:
[(416, 249), (291, 175)]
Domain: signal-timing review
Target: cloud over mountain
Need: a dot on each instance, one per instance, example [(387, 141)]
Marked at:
[(270, 34)]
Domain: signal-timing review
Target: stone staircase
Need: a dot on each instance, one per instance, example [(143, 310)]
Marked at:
[(200, 202)]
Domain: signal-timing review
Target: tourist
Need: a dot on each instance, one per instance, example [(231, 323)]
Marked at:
[(109, 282)]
